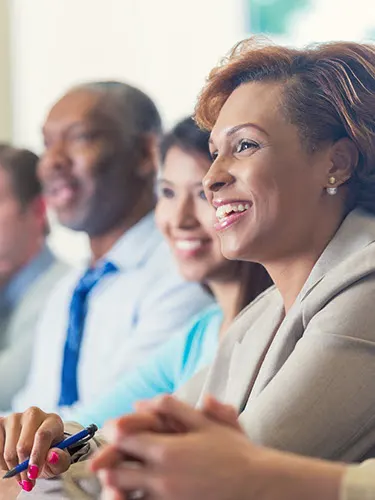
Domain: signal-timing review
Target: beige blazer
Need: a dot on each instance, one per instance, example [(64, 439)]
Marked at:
[(306, 383)]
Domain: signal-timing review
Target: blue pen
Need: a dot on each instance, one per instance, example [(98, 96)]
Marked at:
[(83, 435)]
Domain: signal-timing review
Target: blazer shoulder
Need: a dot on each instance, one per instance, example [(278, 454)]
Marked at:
[(354, 278)]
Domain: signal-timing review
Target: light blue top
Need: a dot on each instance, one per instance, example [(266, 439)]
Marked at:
[(130, 314), (173, 364)]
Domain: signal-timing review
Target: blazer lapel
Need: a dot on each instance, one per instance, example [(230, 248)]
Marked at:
[(248, 354)]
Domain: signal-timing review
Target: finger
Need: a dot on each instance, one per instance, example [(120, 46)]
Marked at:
[(30, 422), (12, 430), (106, 458), (57, 462), (169, 424), (3, 465), (148, 447), (50, 431), (125, 478), (184, 414), (137, 422), (112, 494), (220, 412)]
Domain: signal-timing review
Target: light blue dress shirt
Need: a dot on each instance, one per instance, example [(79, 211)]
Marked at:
[(164, 371), (130, 314)]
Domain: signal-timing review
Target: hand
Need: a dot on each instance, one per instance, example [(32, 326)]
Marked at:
[(31, 434), (209, 460)]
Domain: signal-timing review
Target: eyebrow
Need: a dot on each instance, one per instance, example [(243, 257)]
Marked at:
[(231, 131)]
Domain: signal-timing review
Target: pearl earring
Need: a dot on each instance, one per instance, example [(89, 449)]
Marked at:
[(331, 190)]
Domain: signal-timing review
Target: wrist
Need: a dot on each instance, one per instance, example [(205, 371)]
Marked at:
[(283, 476)]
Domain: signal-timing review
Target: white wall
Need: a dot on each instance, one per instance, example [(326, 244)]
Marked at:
[(166, 47), (5, 107)]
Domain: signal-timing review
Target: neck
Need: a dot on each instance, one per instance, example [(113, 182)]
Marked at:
[(291, 273), (102, 244), (227, 294)]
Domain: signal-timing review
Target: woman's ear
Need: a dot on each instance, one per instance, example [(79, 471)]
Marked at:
[(344, 159)]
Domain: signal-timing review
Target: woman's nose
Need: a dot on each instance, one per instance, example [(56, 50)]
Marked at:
[(184, 216), (217, 177)]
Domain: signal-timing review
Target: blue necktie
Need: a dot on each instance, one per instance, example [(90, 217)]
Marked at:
[(77, 316)]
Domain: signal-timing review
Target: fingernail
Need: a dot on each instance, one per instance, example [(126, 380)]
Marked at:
[(53, 458), (33, 472), (27, 485), (20, 483)]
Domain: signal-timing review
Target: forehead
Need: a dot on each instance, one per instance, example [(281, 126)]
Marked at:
[(187, 168), (76, 106), (253, 102)]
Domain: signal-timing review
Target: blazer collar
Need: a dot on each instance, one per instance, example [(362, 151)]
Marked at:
[(356, 232)]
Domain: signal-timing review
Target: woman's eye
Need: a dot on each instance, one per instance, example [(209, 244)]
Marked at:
[(202, 195), (214, 155), (246, 144), (166, 192)]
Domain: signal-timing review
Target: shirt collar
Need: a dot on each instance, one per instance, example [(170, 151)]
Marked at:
[(13, 292), (135, 244)]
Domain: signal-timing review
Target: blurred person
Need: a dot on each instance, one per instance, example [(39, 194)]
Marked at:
[(97, 172), (28, 268)]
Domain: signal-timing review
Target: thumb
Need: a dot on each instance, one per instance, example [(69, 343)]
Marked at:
[(58, 461), (221, 413)]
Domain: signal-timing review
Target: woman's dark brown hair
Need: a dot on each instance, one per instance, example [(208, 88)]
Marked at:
[(187, 136), (328, 93)]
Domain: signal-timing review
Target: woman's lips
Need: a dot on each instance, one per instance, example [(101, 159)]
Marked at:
[(229, 220), (189, 247)]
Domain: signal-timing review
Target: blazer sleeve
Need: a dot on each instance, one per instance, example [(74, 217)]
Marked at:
[(321, 402), (359, 482)]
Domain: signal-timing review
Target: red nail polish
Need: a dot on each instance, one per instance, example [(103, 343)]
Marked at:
[(53, 458), (33, 472), (27, 485)]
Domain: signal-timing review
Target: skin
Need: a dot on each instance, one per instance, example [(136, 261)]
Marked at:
[(291, 218), (209, 457), (182, 213), (21, 229), (93, 178)]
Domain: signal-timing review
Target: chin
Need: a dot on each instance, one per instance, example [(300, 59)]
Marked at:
[(234, 250)]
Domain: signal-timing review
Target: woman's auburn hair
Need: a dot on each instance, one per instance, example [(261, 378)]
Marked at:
[(328, 93)]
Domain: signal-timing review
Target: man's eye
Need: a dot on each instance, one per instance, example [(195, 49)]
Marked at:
[(246, 144)]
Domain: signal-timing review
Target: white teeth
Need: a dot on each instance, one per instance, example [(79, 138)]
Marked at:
[(188, 244), (224, 210)]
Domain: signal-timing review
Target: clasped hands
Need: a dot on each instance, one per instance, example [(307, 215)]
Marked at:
[(169, 451)]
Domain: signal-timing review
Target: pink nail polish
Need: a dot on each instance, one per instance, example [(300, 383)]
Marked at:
[(27, 485), (20, 483), (33, 472), (53, 458)]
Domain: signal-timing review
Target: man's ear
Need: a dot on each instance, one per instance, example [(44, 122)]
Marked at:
[(149, 155), (344, 159)]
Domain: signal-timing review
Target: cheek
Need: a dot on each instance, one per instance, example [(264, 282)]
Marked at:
[(161, 216)]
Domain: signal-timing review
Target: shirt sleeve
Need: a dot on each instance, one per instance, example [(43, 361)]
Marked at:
[(359, 482)]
